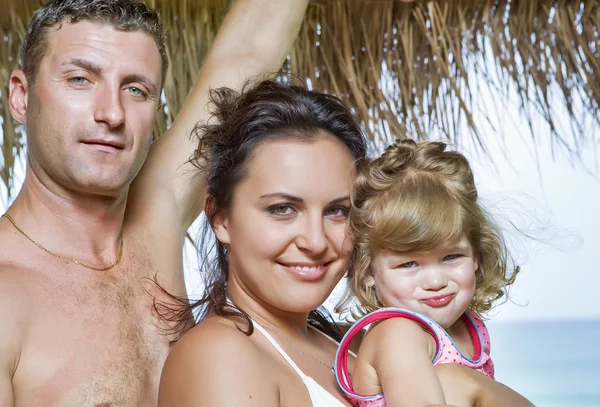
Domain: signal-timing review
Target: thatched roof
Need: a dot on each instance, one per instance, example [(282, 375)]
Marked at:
[(402, 66)]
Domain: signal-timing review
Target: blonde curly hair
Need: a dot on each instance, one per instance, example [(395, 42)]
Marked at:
[(417, 196)]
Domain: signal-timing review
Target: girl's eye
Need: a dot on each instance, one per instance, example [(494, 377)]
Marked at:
[(407, 265), (452, 257), (282, 210), (338, 212)]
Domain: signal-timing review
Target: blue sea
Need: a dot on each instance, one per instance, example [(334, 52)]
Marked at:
[(553, 364)]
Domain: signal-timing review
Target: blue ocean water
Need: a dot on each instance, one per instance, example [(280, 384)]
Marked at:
[(552, 363)]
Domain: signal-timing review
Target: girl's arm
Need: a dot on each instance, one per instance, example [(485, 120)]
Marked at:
[(395, 357), (464, 386)]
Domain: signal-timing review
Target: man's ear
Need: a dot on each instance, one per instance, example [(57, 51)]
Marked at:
[(218, 218), (17, 97)]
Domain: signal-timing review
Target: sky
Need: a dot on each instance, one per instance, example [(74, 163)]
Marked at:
[(554, 201), (549, 196)]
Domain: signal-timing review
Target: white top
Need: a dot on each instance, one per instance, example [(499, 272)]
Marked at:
[(318, 395)]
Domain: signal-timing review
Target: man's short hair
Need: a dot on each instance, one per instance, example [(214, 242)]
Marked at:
[(126, 15)]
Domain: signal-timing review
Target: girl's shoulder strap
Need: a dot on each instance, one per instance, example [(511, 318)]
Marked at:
[(482, 331), (341, 358)]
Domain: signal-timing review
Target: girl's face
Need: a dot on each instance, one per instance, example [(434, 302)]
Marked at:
[(286, 228), (439, 283)]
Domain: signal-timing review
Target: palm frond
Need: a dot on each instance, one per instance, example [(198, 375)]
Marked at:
[(407, 69)]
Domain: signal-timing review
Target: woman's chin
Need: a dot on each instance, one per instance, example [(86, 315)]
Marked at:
[(301, 301)]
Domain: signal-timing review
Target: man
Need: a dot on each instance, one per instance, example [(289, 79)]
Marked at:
[(81, 241)]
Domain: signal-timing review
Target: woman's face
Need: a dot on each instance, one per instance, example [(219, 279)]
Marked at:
[(286, 228)]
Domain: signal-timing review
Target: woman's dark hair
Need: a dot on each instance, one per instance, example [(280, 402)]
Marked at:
[(241, 121)]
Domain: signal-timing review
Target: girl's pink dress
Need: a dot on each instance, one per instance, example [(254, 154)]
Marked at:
[(446, 352)]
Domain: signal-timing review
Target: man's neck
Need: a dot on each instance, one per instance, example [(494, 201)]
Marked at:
[(85, 228)]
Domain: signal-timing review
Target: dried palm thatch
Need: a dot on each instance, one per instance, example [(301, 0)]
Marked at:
[(405, 68)]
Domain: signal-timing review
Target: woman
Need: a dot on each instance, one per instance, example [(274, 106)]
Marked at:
[(280, 162)]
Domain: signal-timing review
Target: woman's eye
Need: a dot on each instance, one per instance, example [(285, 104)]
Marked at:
[(339, 212), (281, 210)]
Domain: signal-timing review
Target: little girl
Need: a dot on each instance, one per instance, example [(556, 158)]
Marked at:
[(428, 263)]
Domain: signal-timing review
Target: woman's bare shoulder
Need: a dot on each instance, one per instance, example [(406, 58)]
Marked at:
[(217, 363), (214, 338)]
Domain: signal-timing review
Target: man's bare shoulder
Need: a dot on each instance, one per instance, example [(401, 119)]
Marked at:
[(13, 293), (12, 328), (14, 290), (14, 309)]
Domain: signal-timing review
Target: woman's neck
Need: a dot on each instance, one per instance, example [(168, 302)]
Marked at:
[(267, 315)]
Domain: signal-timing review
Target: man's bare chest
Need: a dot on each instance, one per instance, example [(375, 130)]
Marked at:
[(91, 342)]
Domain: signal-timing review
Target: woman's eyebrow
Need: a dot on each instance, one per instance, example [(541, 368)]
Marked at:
[(283, 195)]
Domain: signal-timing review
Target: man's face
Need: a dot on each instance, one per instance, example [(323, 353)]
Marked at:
[(90, 113)]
